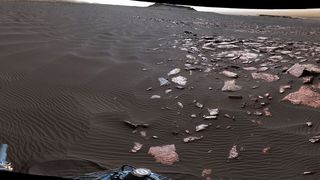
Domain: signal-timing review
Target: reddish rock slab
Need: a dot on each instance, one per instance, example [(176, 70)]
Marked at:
[(164, 154), (265, 76), (304, 96)]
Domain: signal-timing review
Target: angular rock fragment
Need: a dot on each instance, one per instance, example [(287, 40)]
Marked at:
[(265, 76), (202, 127), (283, 88), (182, 81), (206, 173), (155, 97), (136, 147), (191, 138), (199, 105), (189, 56), (164, 154), (174, 71), (296, 70), (229, 74), (307, 79), (163, 81), (180, 104), (309, 124), (213, 112), (314, 139), (230, 85), (209, 117), (250, 68), (266, 150), (233, 153), (304, 96)]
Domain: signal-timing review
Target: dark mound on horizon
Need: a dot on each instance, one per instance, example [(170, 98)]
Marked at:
[(246, 4), (170, 6)]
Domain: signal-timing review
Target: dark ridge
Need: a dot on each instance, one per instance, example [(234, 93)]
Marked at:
[(170, 6), (247, 4), (266, 15)]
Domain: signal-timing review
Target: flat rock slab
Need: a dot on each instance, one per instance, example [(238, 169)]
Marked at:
[(304, 96), (265, 76), (298, 69)]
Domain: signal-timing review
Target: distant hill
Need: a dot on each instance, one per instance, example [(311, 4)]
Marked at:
[(246, 4), (170, 6)]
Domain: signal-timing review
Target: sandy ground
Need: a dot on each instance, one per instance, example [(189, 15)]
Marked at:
[(71, 75)]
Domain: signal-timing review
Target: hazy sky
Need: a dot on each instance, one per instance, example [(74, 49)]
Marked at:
[(297, 12)]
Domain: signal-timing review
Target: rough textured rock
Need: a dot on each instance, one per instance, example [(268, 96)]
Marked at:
[(304, 96), (164, 154), (230, 86), (265, 76)]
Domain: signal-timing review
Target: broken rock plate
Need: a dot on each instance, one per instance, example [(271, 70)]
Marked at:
[(305, 96)]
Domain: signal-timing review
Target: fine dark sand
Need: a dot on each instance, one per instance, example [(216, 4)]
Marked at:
[(70, 74)]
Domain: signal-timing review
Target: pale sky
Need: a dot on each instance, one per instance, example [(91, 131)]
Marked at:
[(230, 11)]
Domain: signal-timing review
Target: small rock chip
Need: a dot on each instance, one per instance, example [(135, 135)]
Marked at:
[(167, 91), (233, 153), (163, 81), (206, 173), (193, 115), (229, 74), (314, 139), (180, 104), (182, 81), (309, 124), (213, 112), (283, 88), (199, 105), (265, 76), (250, 68), (209, 117), (307, 173), (155, 97), (174, 71), (307, 79), (136, 147), (266, 150), (202, 127), (191, 138), (230, 85)]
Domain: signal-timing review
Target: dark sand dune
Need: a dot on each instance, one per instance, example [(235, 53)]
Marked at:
[(71, 74)]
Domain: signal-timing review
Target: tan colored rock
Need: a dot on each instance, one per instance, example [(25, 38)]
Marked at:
[(164, 154), (305, 96)]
